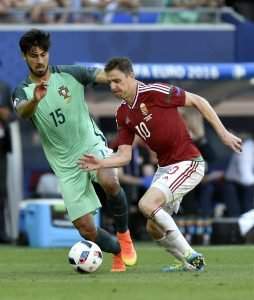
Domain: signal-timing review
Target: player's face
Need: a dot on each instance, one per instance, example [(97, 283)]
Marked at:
[(120, 83), (37, 60)]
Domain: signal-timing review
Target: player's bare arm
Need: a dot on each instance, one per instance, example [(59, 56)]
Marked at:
[(101, 77), (121, 158), (203, 106), (26, 109)]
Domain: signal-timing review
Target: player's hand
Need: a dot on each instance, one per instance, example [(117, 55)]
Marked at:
[(232, 141), (40, 91), (89, 163)]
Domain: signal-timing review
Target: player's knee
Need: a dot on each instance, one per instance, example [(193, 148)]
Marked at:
[(148, 205), (111, 185)]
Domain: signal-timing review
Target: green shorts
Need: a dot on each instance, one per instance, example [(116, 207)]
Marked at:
[(77, 189), (79, 195)]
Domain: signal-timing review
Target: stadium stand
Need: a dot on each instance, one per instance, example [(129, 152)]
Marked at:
[(112, 11)]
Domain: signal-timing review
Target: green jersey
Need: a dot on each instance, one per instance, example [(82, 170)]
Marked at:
[(62, 118)]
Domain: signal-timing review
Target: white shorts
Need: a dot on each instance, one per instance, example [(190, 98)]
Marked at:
[(176, 180)]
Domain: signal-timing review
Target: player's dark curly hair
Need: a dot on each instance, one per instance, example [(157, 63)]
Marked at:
[(123, 64), (34, 38)]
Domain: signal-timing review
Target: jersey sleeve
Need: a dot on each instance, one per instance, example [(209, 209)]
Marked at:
[(176, 96), (125, 135), (85, 75), (18, 95), (170, 96)]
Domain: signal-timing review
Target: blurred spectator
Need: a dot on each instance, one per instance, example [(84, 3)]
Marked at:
[(189, 15), (190, 12), (195, 125), (5, 16), (42, 11), (64, 16), (91, 17), (48, 186), (5, 147), (104, 10), (76, 17), (19, 16), (198, 205), (239, 180), (114, 5), (211, 189), (4, 6), (152, 3)]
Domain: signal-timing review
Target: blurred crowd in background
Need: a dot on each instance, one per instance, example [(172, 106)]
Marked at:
[(226, 191), (117, 11), (228, 186)]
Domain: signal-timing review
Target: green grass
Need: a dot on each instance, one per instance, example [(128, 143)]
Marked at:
[(35, 274)]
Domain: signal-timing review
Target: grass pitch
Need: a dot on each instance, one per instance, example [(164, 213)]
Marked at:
[(44, 274)]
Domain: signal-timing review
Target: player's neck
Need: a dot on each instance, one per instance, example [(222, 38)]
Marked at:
[(37, 79), (130, 97)]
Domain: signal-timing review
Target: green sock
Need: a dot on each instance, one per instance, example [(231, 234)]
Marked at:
[(119, 207), (107, 242)]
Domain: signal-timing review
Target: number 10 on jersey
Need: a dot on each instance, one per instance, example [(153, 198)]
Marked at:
[(143, 130)]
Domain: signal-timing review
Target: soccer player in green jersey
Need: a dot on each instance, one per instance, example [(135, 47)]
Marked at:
[(53, 98)]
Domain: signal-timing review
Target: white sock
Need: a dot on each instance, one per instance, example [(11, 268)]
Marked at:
[(164, 242), (177, 241), (162, 218), (173, 240)]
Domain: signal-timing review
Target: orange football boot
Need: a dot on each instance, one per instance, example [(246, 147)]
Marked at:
[(118, 264), (128, 252)]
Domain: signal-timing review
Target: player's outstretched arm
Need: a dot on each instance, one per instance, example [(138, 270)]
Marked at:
[(26, 109), (122, 157), (201, 104), (101, 77)]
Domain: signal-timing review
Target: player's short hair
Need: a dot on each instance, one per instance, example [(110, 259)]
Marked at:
[(34, 38), (123, 64)]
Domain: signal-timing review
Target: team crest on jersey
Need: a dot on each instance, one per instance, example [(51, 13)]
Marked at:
[(145, 112), (64, 92), (144, 109)]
